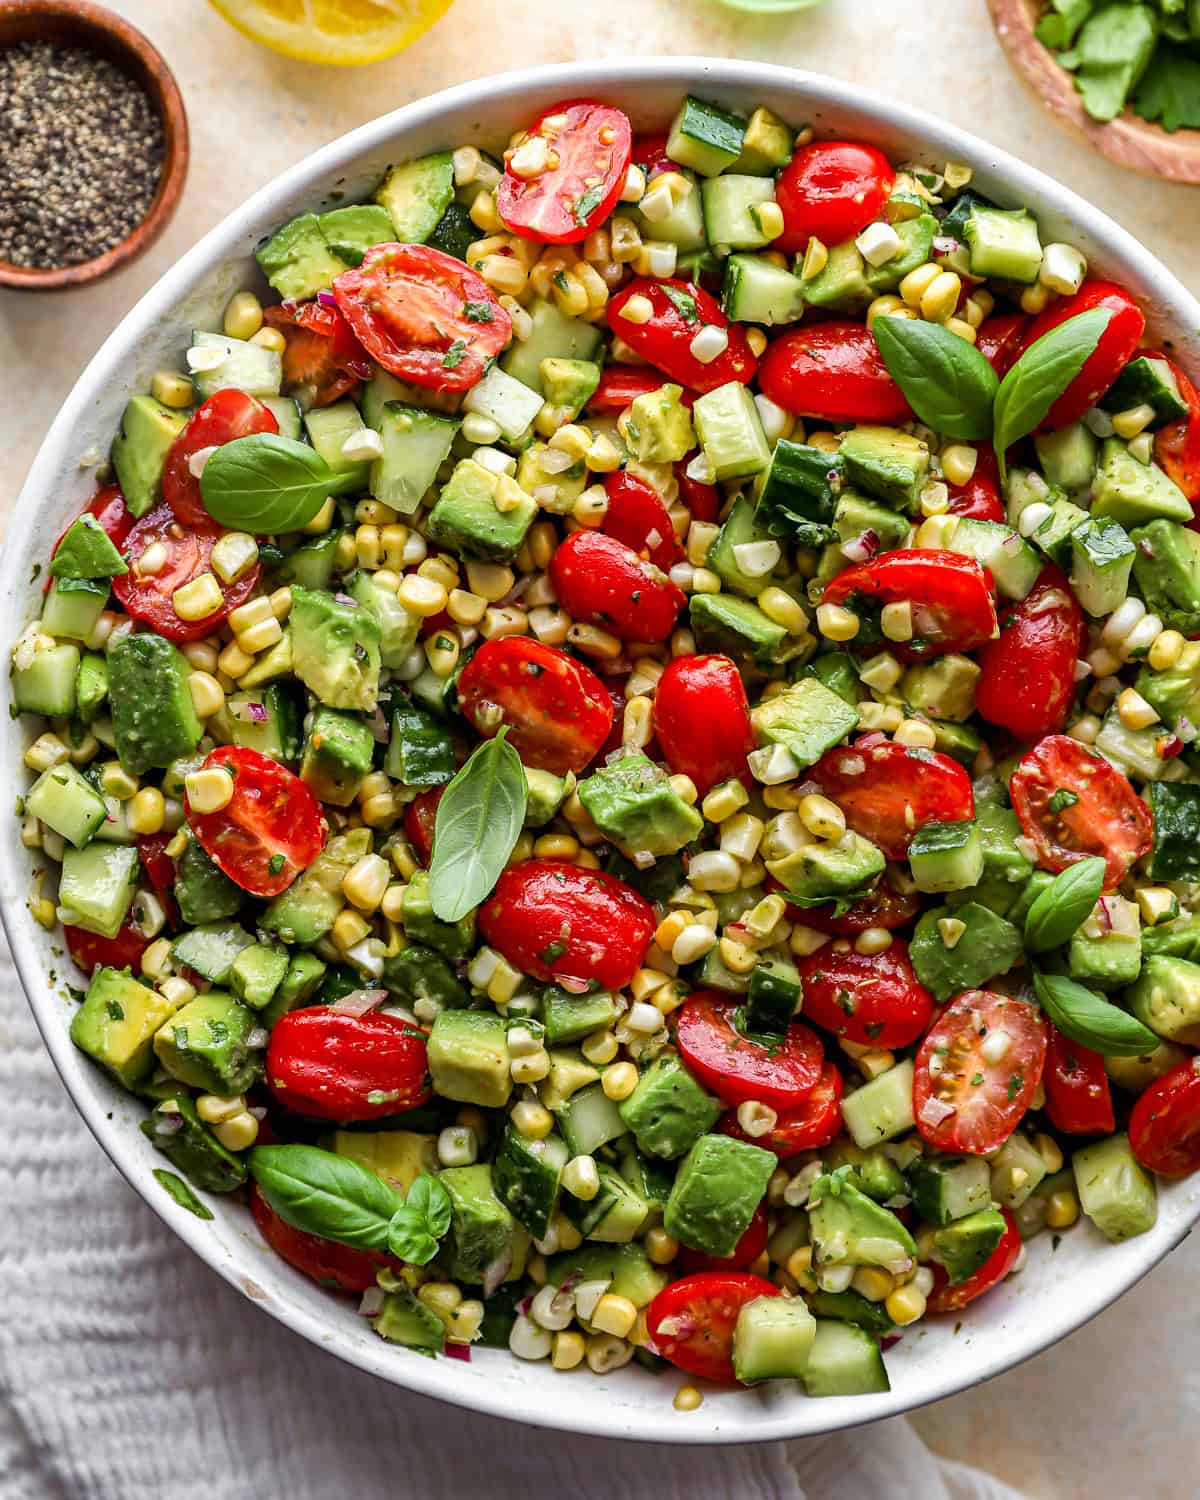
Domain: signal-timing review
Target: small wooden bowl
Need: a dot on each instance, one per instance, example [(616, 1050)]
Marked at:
[(1129, 141), (79, 23)]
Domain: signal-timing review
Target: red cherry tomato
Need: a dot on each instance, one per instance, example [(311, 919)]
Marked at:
[(702, 720), (1078, 1098), (557, 710), (1177, 445), (831, 190), (92, 951), (160, 871), (149, 597), (637, 517), (883, 907), (223, 417), (650, 153), (702, 500), (979, 499), (341, 1267), (555, 921), (887, 792), (1000, 340), (963, 1102), (946, 1298), (691, 1322), (587, 155), (323, 361), (680, 309), (1164, 1129), (833, 371), (419, 818), (269, 832), (602, 581), (735, 1067), (108, 507), (621, 385), (423, 315), (952, 598), (332, 1065), (1107, 817), (874, 1001), (1027, 682), (811, 1124), (746, 1252), (1117, 345)]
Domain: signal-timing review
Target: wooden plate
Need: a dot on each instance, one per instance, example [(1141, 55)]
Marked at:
[(1129, 141)]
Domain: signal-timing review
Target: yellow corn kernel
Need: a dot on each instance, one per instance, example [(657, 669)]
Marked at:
[(896, 621), (556, 846), (465, 608), (243, 316), (260, 637), (724, 801), (147, 811), (233, 661), (917, 283), (522, 849), (958, 463), (270, 338), (687, 1398), (816, 257), (172, 389), (215, 1109), (615, 1315), (961, 328), (1165, 650), (199, 598), (484, 215), (917, 734), (349, 928), (838, 624), (619, 1081), (1062, 1209), (365, 883), (422, 596), (941, 296), (491, 581), (823, 819), (323, 519), (238, 1134), (209, 789), (567, 1349), (737, 957), (888, 307), (593, 641), (378, 811), (905, 1305), (532, 1120), (873, 1283), (599, 1048), (1036, 299)]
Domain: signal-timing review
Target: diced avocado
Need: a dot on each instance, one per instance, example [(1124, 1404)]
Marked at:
[(154, 720), (871, 1172), (731, 432), (337, 755), (257, 972), (468, 1058), (419, 752), (482, 1231), (335, 649), (189, 1145), (887, 463), (807, 718), (1174, 692), (568, 1074), (990, 945), (1068, 456), (569, 384), (297, 261), (398, 1156), (1115, 1190), (1147, 380), (916, 246), (731, 205), (587, 1118), (417, 973), (351, 231), (1166, 998), (405, 1320), (756, 290), (1133, 751), (1106, 951), (856, 516), (525, 1175), (117, 1022), (669, 1111), (273, 665), (416, 195), (844, 1361), (942, 689), (305, 972), (850, 1229), (329, 429), (829, 872), (740, 529), (211, 949), (453, 940), (91, 686), (1178, 937), (415, 445), (650, 1177), (266, 719), (206, 1043), (204, 893), (545, 794), (715, 974), (949, 1187), (658, 426), (65, 801), (1134, 493), (557, 490), (946, 857), (1004, 243), (962, 1247), (773, 996), (139, 452), (841, 284), (1102, 555), (737, 628), (616, 1213), (882, 1109), (46, 683), (1166, 566), (554, 335), (467, 520), (398, 629), (248, 367), (705, 137), (568, 1017), (96, 885), (306, 911), (766, 145), (1135, 1074), (720, 1183), (625, 1266), (632, 802), (1016, 1170), (86, 552), (772, 1339), (1176, 810)]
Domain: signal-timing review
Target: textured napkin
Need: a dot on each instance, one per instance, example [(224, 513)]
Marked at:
[(130, 1371)]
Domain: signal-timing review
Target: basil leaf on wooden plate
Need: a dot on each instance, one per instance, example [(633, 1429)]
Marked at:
[(1081, 1014), (1063, 905), (479, 821), (419, 1224), (948, 383), (326, 1194), (265, 484), (1041, 375)]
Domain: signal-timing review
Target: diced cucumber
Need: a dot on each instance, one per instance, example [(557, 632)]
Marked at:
[(731, 211), (1101, 560), (882, 1109), (614, 1215), (1016, 1170), (46, 685), (415, 445), (1132, 751), (246, 367), (683, 227), (510, 403), (568, 1017), (73, 606), (588, 1120), (211, 948), (1115, 1190), (553, 336), (844, 1361), (774, 995), (91, 686), (773, 1339), (416, 195), (1147, 380), (1004, 243), (311, 564), (329, 429), (731, 432), (946, 857), (455, 232), (286, 414), (740, 529), (63, 800), (756, 290), (1009, 558), (802, 485), (97, 885), (948, 1188), (525, 1176), (705, 137), (1068, 456)]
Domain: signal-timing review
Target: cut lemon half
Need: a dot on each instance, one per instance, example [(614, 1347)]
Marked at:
[(342, 32)]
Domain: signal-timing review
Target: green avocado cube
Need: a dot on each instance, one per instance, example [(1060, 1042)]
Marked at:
[(885, 462), (257, 972), (569, 1018), (850, 1229), (1134, 493), (335, 649), (207, 1043), (139, 455), (942, 689), (772, 1339), (305, 971), (417, 973), (86, 552), (467, 520), (738, 628), (416, 194), (806, 719), (818, 873), (767, 144), (855, 515), (405, 1320), (398, 1156), (946, 857), (669, 1111), (176, 1130), (154, 719), (338, 751), (297, 261), (720, 1183), (962, 947), (1115, 1190), (117, 1022), (569, 384), (351, 231), (1106, 951), (305, 912), (468, 1058), (659, 427), (482, 1231), (963, 1247), (1166, 567), (871, 1172), (204, 893), (546, 793), (632, 802), (451, 939), (1166, 998)]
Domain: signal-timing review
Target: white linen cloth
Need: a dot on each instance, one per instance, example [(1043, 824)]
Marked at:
[(130, 1371)]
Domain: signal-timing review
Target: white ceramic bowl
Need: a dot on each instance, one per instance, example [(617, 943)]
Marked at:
[(1057, 1291)]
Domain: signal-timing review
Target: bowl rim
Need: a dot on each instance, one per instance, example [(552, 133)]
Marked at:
[(442, 1378)]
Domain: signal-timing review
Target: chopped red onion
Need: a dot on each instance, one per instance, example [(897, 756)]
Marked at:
[(257, 712), (934, 1111), (944, 244), (496, 1272), (359, 1002), (326, 299), (457, 1351), (372, 1302)]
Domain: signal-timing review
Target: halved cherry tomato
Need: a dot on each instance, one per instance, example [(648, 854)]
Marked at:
[(423, 315), (556, 921), (737, 1068), (637, 517), (341, 1267), (160, 871), (419, 818), (557, 710), (1000, 340), (691, 1322), (746, 1251), (1027, 678), (602, 581), (833, 371), (92, 951), (874, 1001), (831, 190), (979, 499), (953, 600), (587, 154), (883, 907), (332, 1065), (702, 720), (963, 1102), (323, 361), (811, 1124), (1078, 1097), (149, 596), (269, 832), (621, 385), (1111, 354), (1177, 446), (1074, 804), (887, 791), (680, 309), (222, 418), (703, 501), (1164, 1128), (946, 1298)]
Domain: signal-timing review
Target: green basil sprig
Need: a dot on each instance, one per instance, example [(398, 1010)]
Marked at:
[(1081, 1014), (416, 1228), (1041, 375), (266, 484), (1063, 905), (948, 383), (479, 821), (182, 1194), (322, 1193)]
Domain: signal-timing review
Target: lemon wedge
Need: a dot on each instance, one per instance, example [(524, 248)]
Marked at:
[(342, 32)]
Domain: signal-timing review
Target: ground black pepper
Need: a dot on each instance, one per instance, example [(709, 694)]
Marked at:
[(81, 154)]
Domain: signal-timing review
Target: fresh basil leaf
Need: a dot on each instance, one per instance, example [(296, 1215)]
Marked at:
[(419, 1224), (477, 312), (948, 383), (586, 204), (683, 302), (1041, 375), (265, 484), (429, 1198), (1059, 909), (1083, 1016), (479, 821), (322, 1193), (182, 1194)]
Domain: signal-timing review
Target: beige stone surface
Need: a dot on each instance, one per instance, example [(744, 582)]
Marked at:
[(1115, 1410)]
